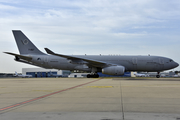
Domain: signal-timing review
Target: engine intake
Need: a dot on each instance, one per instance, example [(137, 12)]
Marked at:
[(113, 70)]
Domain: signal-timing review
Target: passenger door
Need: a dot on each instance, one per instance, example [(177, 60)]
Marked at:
[(134, 62)]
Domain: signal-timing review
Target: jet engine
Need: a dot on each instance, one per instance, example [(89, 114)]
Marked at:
[(113, 70)]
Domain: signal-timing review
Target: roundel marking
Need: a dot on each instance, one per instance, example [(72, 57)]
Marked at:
[(25, 42)]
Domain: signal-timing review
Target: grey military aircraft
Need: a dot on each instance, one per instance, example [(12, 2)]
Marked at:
[(111, 65)]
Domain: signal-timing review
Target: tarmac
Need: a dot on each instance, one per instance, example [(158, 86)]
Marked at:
[(90, 99)]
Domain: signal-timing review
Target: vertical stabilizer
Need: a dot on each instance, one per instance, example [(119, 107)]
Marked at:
[(16, 73), (25, 46)]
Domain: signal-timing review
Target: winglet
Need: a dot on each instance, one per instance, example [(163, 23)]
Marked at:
[(49, 51)]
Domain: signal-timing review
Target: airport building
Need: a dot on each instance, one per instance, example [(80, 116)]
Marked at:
[(41, 72), (6, 75)]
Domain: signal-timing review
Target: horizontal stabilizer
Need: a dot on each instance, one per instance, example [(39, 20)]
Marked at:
[(20, 56)]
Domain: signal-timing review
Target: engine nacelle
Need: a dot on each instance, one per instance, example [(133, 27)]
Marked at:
[(113, 70)]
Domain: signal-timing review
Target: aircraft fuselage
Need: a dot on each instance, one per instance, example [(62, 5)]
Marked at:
[(131, 63)]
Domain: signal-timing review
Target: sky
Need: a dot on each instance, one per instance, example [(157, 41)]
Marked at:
[(92, 27)]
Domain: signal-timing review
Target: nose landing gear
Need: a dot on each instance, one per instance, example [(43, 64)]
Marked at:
[(158, 76)]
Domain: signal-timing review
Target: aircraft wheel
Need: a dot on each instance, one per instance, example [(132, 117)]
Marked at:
[(92, 76), (88, 76), (157, 76), (96, 76)]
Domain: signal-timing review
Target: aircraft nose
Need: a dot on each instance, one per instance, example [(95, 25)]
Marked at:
[(176, 64)]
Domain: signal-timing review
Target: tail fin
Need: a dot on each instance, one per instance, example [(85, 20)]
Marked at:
[(16, 73), (25, 46)]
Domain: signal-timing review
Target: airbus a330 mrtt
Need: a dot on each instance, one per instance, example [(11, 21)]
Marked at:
[(111, 65)]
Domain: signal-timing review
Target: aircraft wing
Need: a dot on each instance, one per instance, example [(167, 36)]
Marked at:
[(20, 56), (89, 62)]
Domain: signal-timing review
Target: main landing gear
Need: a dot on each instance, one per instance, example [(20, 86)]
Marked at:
[(92, 75), (158, 76)]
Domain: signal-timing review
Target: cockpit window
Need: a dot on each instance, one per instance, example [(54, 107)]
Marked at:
[(170, 60)]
